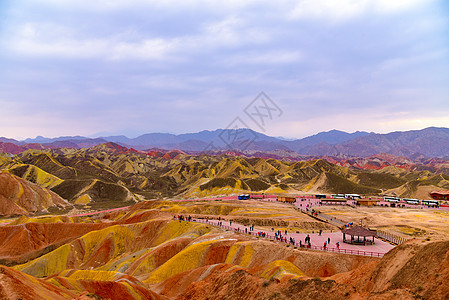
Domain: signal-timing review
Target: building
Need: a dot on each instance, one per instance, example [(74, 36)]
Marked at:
[(367, 202), (286, 199), (440, 195), (334, 201)]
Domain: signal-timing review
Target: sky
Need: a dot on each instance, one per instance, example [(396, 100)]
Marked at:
[(111, 67)]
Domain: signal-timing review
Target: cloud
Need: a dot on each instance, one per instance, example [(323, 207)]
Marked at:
[(47, 39), (120, 5), (190, 65), (274, 57), (44, 39), (343, 10)]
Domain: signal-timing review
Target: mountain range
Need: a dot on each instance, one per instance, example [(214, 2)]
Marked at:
[(110, 175), (429, 142)]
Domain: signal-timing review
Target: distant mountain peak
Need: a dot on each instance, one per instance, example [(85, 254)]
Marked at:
[(428, 142)]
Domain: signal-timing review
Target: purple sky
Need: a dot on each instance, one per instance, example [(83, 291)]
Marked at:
[(132, 67)]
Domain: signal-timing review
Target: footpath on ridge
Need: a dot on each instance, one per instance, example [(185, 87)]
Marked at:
[(317, 240), (326, 241)]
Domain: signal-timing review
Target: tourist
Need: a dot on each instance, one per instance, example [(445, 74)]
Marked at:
[(307, 239)]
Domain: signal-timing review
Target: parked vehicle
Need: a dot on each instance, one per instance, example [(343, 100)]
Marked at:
[(411, 201), (392, 199)]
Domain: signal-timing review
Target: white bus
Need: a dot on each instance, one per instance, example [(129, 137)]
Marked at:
[(338, 196), (411, 201), (431, 202), (353, 196), (392, 199)]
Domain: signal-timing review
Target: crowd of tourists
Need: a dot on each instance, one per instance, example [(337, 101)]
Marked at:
[(279, 235)]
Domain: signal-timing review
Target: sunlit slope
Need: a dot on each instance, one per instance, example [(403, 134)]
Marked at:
[(186, 247), (143, 247), (108, 285), (35, 175), (17, 285), (20, 243), (97, 248), (415, 269), (281, 270), (142, 252), (21, 197), (221, 257)]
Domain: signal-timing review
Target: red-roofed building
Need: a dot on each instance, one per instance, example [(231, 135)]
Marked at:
[(440, 195)]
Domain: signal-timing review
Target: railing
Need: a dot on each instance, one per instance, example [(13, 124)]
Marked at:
[(262, 234), (325, 218), (397, 240)]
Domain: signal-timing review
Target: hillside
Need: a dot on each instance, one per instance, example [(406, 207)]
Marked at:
[(110, 175), (21, 197), (416, 269), (168, 258), (93, 258)]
